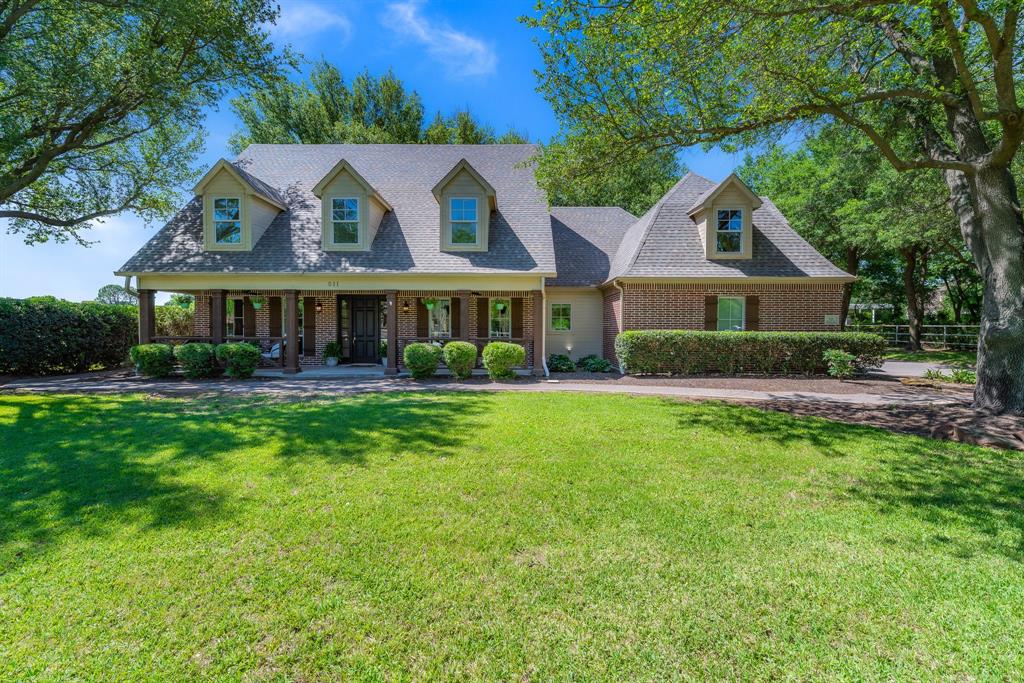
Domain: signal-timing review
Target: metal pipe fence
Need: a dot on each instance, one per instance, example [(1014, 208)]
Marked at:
[(940, 336)]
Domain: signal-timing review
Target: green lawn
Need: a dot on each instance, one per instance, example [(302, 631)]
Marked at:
[(497, 536), (947, 356)]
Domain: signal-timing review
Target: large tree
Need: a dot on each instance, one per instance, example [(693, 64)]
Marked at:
[(116, 294), (101, 103), (373, 109), (934, 84), (843, 197)]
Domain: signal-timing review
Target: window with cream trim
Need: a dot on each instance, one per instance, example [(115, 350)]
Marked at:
[(463, 219), (440, 319), (500, 322), (345, 220), (227, 220), (561, 317)]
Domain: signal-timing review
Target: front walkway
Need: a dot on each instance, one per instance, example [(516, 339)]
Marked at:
[(309, 385)]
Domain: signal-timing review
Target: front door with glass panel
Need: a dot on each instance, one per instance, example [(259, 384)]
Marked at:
[(365, 329)]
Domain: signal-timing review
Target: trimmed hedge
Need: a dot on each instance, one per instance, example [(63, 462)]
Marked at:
[(153, 360), (687, 352), (501, 358), (48, 336), (422, 359), (594, 363), (460, 357), (240, 358), (197, 360)]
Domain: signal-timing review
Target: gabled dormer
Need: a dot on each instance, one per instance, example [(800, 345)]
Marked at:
[(466, 200), (237, 207), (350, 208), (725, 217)]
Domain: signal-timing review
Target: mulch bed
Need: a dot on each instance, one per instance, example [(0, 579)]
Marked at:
[(952, 422)]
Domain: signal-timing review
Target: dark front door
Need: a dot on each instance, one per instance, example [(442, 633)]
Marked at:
[(365, 329)]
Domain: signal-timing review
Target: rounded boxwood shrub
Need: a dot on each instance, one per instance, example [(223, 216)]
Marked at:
[(240, 359), (594, 363), (687, 352), (153, 360), (197, 360), (501, 359), (460, 357), (422, 359), (559, 362)]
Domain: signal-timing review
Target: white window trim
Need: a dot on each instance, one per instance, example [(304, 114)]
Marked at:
[(551, 316), (214, 221), (742, 230), (743, 312), (490, 305), (430, 314), (452, 222), (358, 222)]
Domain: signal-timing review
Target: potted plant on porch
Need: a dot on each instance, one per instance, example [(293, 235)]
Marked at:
[(331, 353)]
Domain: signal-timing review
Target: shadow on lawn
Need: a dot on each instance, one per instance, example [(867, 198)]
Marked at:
[(941, 483), (96, 466)]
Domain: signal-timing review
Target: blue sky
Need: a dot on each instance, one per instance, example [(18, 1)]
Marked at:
[(455, 54)]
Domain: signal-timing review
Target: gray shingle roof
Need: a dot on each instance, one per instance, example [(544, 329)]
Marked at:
[(586, 239), (665, 243), (261, 187), (408, 239)]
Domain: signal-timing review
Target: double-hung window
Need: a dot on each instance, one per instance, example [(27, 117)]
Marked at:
[(463, 220), (729, 231), (345, 220), (500, 325), (440, 319), (227, 220), (561, 317), (730, 313)]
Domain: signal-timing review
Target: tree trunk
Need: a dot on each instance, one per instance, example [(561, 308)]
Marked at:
[(852, 266), (988, 207), (915, 302)]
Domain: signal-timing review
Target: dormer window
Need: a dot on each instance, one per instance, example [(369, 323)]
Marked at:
[(345, 220), (729, 232), (464, 220), (227, 220)]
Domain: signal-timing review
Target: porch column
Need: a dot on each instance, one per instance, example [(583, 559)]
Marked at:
[(147, 316), (291, 364), (392, 330), (538, 332), (217, 311), (464, 316)]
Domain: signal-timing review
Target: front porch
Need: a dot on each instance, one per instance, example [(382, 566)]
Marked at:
[(370, 328)]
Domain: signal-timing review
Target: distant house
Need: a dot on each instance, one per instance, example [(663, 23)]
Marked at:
[(377, 246)]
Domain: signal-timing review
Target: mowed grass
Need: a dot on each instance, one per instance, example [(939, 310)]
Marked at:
[(497, 536), (947, 356)]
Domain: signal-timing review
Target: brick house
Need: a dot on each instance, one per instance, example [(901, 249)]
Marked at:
[(377, 246)]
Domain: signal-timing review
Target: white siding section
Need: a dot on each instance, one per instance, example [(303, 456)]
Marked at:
[(586, 335)]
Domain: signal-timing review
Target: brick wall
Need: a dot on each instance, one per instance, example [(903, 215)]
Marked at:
[(782, 307), (407, 316)]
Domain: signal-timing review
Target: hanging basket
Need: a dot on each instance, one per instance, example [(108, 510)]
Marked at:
[(500, 306), (429, 304), (257, 302)]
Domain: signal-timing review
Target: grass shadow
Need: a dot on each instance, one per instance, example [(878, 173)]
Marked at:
[(942, 483), (90, 465)]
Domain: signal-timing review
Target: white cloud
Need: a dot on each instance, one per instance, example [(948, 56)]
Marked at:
[(461, 54), (300, 19)]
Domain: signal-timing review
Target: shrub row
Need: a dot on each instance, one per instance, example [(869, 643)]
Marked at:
[(48, 336), (686, 352), (500, 359), (237, 360)]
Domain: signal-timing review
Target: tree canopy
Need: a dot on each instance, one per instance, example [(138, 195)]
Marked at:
[(116, 294), (373, 109), (933, 84), (101, 103)]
